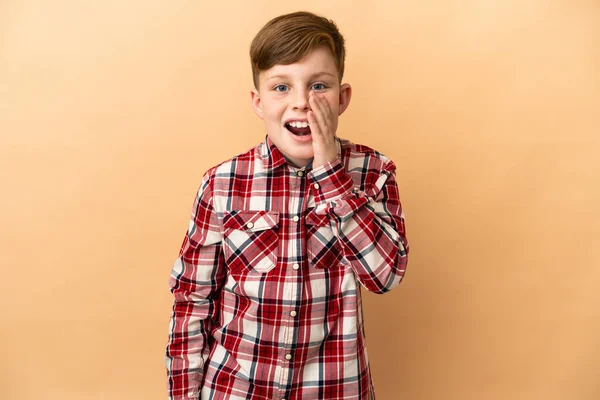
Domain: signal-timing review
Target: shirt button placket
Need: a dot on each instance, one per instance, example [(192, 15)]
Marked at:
[(294, 206)]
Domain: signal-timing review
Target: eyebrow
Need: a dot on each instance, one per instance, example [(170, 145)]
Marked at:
[(284, 76)]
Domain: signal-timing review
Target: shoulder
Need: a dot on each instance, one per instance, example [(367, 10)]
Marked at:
[(358, 157), (244, 164)]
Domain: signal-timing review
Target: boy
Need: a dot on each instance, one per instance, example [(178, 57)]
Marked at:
[(267, 284)]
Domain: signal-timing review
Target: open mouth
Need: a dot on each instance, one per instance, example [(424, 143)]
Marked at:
[(298, 128)]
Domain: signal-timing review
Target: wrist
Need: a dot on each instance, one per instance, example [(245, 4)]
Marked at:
[(321, 159)]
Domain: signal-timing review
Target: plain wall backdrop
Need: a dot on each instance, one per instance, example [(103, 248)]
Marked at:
[(111, 111)]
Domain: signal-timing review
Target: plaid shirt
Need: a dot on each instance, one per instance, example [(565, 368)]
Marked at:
[(267, 283)]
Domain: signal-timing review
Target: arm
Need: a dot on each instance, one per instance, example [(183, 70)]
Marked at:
[(368, 223), (367, 220), (196, 281)]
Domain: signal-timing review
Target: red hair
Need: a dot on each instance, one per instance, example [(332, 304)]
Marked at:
[(289, 38)]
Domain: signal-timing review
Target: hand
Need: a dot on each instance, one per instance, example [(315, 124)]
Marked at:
[(320, 120)]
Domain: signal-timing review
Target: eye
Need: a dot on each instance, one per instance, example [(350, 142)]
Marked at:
[(318, 86), (280, 88)]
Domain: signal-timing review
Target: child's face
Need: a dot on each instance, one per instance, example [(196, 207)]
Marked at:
[(282, 97)]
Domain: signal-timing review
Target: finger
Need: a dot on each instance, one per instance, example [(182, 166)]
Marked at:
[(314, 126), (327, 114), (320, 116), (325, 107)]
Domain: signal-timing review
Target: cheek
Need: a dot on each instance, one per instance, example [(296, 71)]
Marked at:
[(275, 112), (273, 115)]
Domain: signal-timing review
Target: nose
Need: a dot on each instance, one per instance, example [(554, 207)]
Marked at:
[(300, 100)]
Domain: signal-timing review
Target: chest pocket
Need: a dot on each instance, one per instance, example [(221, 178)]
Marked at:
[(322, 246), (250, 240)]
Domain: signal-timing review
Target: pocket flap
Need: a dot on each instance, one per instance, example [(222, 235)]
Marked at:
[(316, 220), (251, 220)]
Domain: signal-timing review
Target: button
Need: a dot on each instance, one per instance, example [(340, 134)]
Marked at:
[(249, 225), (288, 357), (316, 186), (296, 218), (293, 313), (300, 173), (296, 266)]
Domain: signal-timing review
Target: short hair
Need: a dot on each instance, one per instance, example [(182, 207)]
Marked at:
[(289, 38)]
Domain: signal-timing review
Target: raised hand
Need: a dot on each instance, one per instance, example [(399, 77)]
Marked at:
[(322, 128)]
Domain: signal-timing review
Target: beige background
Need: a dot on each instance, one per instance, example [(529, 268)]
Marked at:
[(111, 111)]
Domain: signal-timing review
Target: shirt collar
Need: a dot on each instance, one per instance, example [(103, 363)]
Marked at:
[(273, 158)]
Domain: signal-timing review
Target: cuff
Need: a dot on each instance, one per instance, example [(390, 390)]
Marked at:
[(330, 181)]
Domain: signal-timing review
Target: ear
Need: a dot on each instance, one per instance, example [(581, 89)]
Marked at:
[(256, 103), (345, 96)]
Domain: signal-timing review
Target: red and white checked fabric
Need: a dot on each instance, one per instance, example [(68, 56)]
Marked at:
[(267, 283)]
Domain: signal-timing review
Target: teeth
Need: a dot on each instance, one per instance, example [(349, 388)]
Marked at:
[(298, 124)]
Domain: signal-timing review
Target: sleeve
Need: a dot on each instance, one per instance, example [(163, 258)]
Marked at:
[(366, 218), (196, 281)]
